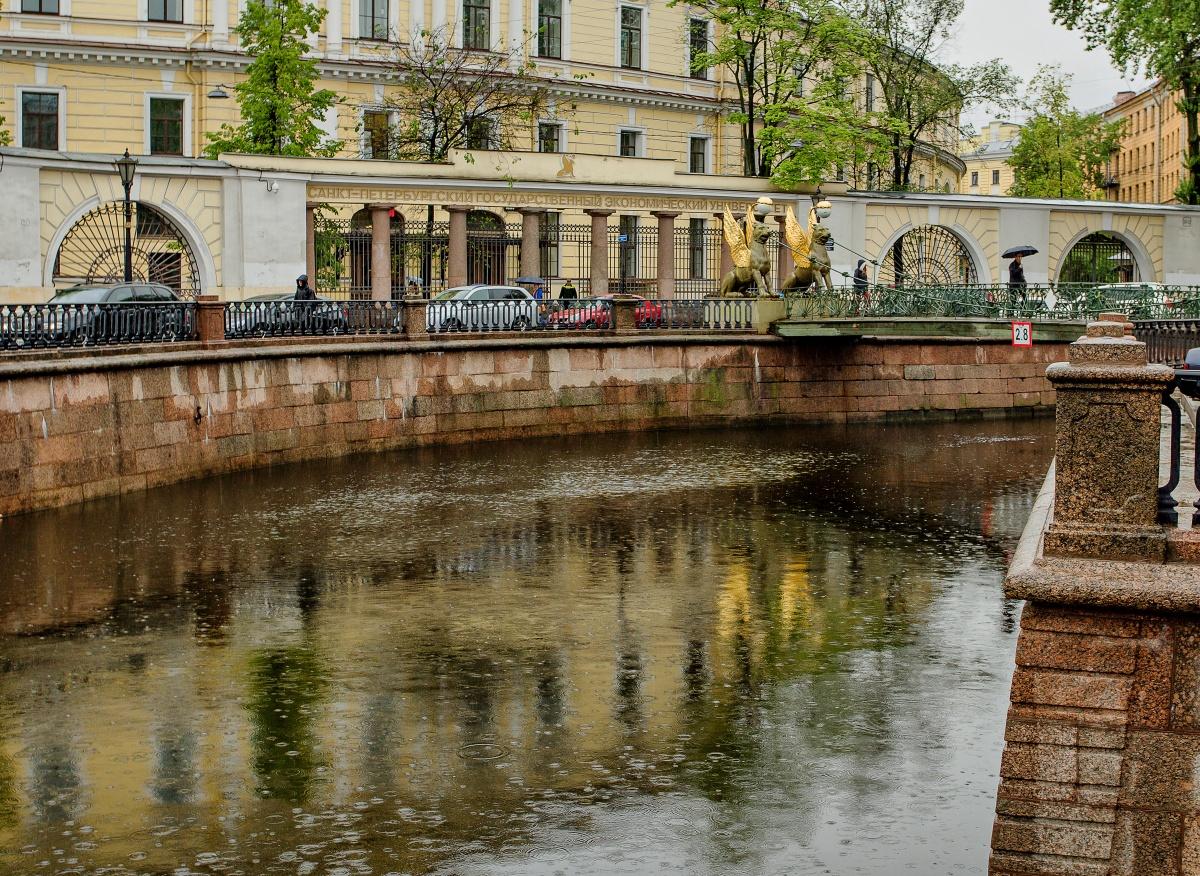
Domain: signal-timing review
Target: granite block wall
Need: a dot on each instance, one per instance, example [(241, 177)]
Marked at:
[(83, 426)]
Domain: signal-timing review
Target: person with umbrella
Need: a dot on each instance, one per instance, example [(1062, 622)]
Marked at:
[(1016, 273)]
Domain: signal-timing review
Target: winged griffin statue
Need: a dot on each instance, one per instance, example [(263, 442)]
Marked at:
[(747, 244), (809, 253)]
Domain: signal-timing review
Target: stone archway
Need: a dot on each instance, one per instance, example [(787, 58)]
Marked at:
[(1098, 257), (91, 249), (929, 255)]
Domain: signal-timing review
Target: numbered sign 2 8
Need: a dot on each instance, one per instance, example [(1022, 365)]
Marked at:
[(1022, 334)]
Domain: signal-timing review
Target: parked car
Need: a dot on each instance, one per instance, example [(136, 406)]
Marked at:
[(482, 308), (94, 313), (1188, 374), (279, 313), (590, 313)]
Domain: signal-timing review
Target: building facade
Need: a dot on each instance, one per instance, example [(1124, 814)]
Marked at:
[(1149, 166), (100, 76), (985, 157)]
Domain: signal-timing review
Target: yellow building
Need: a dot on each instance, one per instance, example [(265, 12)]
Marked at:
[(986, 159), (1149, 166), (153, 75)]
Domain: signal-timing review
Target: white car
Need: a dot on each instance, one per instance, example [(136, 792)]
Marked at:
[(481, 308), (1137, 300)]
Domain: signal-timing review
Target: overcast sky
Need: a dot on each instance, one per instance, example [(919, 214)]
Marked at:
[(1021, 33)]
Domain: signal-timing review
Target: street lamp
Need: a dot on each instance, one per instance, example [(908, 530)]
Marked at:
[(127, 167)]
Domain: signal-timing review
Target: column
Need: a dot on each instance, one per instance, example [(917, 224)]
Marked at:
[(516, 25), (726, 255), (220, 22), (599, 256), (333, 27), (438, 21), (310, 244), (666, 252), (531, 223), (1108, 410), (783, 267), (456, 257), (381, 252)]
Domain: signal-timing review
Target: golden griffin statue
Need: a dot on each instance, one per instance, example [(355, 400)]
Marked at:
[(808, 251), (747, 244)]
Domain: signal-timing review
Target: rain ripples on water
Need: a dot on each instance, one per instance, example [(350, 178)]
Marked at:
[(738, 652)]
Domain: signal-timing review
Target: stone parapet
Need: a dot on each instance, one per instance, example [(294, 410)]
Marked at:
[(81, 426)]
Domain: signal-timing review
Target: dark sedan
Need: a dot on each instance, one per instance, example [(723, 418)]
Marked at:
[(96, 314), (1188, 375)]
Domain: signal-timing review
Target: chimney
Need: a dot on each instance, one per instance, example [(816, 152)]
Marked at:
[(1123, 96)]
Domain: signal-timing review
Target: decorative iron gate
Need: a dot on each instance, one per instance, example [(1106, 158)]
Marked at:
[(1099, 258), (928, 255), (94, 250)]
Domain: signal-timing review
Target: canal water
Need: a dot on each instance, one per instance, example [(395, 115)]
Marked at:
[(733, 652)]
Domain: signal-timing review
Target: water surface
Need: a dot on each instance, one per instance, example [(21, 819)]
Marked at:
[(736, 652)]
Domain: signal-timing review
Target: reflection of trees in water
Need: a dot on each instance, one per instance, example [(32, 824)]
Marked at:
[(747, 603), (9, 790), (285, 683)]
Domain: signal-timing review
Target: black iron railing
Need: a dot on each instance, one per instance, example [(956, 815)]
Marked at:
[(41, 326), (712, 314), (1168, 340), (287, 318), (517, 315)]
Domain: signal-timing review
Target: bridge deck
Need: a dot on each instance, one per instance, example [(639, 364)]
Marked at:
[(924, 327)]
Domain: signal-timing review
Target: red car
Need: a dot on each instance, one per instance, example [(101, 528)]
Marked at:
[(596, 313)]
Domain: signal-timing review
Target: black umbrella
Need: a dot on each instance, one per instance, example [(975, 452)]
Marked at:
[(1014, 251)]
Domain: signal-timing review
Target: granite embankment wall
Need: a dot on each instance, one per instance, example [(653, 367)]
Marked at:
[(79, 426)]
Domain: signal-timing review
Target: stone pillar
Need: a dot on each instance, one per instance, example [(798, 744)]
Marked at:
[(625, 313), (599, 256), (726, 255), (415, 322), (1107, 448), (381, 252), (666, 252), (456, 256), (1103, 732), (783, 267), (210, 320), (531, 224), (310, 244)]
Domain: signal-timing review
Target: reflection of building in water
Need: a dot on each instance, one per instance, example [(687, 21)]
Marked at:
[(571, 632)]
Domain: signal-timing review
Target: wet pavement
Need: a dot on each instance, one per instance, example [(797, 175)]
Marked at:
[(734, 652)]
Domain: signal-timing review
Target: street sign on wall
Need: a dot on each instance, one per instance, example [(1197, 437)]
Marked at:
[(1022, 334)]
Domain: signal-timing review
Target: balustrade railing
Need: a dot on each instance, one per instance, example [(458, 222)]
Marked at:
[(42, 326), (520, 315), (1168, 340), (289, 318), (706, 314)]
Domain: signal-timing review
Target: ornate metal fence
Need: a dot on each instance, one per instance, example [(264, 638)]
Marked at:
[(712, 314), (287, 318), (40, 326)]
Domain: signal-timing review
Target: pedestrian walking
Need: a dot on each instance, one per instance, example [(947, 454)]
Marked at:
[(1016, 282), (304, 292), (568, 291), (861, 280)]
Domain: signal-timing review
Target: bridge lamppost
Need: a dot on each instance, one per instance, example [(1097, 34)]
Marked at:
[(127, 167)]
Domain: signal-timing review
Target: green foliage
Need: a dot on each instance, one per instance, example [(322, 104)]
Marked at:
[(5, 136), (1061, 152), (280, 105), (790, 62), (922, 97), (1161, 37), (451, 98)]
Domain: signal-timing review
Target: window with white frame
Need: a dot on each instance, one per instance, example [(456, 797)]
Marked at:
[(165, 10), (629, 144), (974, 178), (697, 46), (166, 125), (697, 154), (550, 28), (995, 177), (40, 119), (481, 133), (40, 7), (631, 37), (477, 24), (373, 19), (550, 137)]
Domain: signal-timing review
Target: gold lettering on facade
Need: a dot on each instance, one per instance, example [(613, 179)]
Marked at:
[(514, 198)]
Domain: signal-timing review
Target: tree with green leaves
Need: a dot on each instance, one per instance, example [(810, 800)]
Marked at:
[(1161, 37), (1061, 152), (281, 107), (923, 98), (791, 63)]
